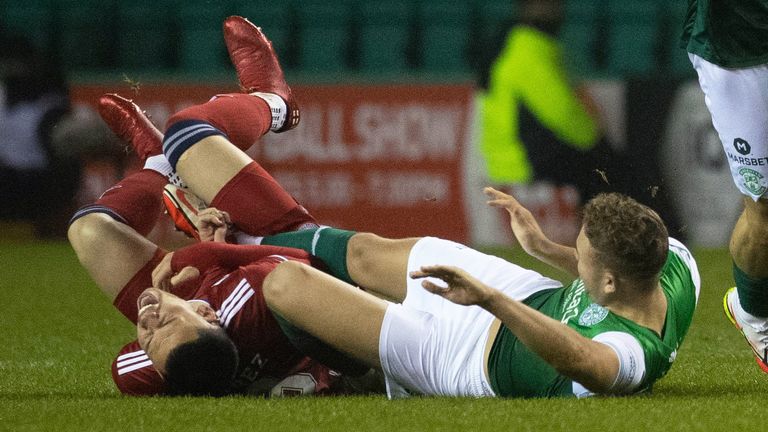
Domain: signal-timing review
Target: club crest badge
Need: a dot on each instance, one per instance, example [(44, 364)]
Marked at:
[(592, 315), (752, 181)]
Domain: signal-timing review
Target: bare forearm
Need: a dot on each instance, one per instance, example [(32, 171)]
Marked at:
[(558, 256)]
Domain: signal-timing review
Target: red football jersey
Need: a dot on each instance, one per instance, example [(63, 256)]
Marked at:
[(269, 364)]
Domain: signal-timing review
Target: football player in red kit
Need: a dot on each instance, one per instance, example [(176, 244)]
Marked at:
[(211, 334)]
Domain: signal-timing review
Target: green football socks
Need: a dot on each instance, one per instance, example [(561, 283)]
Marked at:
[(753, 293), (328, 244)]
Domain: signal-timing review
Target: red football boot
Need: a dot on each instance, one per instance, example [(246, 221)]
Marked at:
[(257, 66), (129, 122)]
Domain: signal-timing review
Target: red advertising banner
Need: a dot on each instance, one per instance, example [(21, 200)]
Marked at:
[(386, 159)]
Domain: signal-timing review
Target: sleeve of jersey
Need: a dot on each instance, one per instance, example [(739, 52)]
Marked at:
[(631, 360), (680, 250), (548, 93), (206, 255), (134, 374)]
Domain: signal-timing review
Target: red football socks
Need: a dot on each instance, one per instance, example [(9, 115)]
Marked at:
[(242, 118), (258, 204), (137, 199)]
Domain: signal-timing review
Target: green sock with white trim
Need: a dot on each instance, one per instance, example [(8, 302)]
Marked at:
[(753, 293), (328, 244)]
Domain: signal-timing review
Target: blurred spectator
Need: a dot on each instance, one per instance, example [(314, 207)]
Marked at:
[(102, 157), (36, 183), (536, 126)]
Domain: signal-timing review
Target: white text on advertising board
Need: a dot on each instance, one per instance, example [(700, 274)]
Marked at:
[(410, 132), (395, 188)]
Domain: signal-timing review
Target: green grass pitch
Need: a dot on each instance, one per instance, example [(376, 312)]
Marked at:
[(59, 335)]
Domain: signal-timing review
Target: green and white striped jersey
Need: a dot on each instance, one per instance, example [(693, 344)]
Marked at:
[(515, 371)]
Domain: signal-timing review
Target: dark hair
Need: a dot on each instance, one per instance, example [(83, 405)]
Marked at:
[(547, 15), (205, 366), (628, 237)]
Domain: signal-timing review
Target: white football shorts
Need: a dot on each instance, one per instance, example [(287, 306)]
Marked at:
[(431, 346), (737, 99)]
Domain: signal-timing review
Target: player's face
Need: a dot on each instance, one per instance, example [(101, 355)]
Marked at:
[(166, 321), (590, 270)]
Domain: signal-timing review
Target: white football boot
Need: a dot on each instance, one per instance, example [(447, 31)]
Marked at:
[(755, 331), (183, 207)]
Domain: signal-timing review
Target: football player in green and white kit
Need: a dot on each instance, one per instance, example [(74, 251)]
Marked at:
[(615, 330), (727, 42)]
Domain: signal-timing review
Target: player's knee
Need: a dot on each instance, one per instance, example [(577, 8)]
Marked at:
[(282, 284), (190, 113), (362, 250), (757, 209), (85, 231), (756, 213)]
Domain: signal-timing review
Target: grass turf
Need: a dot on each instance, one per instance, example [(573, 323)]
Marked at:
[(60, 335)]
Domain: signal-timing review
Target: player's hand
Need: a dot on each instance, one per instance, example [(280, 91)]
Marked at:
[(461, 287), (164, 278), (524, 226), (213, 225)]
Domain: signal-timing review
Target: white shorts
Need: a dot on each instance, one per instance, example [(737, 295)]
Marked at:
[(737, 99), (429, 345)]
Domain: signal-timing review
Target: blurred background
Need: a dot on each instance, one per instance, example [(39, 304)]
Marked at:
[(398, 108), (329, 39)]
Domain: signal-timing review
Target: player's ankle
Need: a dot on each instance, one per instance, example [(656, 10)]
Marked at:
[(753, 294), (277, 107)]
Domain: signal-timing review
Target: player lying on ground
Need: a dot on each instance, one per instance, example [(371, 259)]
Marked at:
[(223, 338), (615, 330), (626, 321)]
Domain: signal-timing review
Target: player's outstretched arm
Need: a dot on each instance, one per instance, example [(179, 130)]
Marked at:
[(592, 364), (530, 236)]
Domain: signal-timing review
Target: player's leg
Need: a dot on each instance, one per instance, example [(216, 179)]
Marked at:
[(108, 236), (216, 169), (380, 264), (738, 102), (111, 251), (244, 188), (437, 354), (749, 241), (747, 305), (206, 143), (367, 260), (337, 313)]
